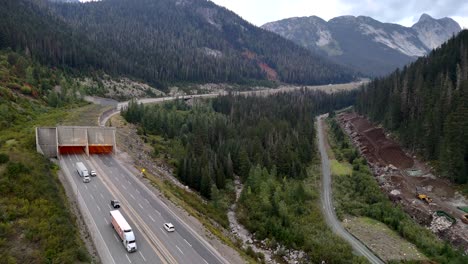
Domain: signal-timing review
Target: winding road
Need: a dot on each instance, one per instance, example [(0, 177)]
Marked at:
[(327, 202)]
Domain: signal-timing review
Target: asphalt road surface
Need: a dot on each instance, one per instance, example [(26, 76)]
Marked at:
[(144, 211), (327, 203)]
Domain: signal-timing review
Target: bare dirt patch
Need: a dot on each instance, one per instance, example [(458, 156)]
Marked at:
[(402, 175)]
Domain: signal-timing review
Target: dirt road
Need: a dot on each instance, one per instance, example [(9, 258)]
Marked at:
[(327, 202)]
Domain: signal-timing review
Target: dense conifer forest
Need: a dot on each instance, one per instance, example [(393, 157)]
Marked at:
[(269, 143), (426, 105), (170, 41)]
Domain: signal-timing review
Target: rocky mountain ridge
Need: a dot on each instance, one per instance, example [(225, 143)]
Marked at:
[(368, 45)]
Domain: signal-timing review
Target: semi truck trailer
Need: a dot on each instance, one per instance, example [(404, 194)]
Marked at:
[(82, 171), (124, 230)]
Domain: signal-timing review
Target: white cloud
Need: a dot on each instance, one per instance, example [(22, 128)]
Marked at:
[(405, 12)]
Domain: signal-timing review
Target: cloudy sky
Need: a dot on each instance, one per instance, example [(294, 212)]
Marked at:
[(405, 12)]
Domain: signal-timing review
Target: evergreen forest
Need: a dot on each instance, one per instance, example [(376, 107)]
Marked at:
[(426, 106), (268, 143), (170, 42)]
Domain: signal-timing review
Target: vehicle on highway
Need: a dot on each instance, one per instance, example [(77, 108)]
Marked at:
[(81, 169), (124, 230), (115, 204), (169, 227), (86, 179), (93, 173)]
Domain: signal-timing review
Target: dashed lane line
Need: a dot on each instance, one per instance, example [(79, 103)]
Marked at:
[(142, 256), (179, 249), (187, 242)]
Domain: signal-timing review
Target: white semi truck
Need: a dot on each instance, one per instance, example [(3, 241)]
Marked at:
[(82, 171), (124, 230)]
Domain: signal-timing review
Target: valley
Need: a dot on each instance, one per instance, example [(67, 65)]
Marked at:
[(161, 131)]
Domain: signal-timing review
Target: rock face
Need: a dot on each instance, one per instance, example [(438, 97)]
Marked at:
[(433, 32), (363, 43)]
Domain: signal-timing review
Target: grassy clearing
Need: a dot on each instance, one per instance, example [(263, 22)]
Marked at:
[(341, 168), (382, 240)]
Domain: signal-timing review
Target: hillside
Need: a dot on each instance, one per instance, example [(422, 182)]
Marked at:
[(171, 41), (36, 223), (365, 44), (426, 105)]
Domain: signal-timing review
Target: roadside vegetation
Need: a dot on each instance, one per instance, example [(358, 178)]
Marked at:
[(36, 225), (269, 143), (425, 105), (358, 194)]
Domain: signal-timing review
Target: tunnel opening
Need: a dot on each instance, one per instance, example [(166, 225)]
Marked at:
[(72, 149), (100, 149)]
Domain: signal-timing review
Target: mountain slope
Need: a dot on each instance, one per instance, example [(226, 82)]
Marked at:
[(162, 41), (365, 44), (426, 104)]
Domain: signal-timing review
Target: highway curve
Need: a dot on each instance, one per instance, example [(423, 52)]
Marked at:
[(327, 202)]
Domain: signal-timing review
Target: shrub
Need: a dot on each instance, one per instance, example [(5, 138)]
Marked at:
[(4, 158)]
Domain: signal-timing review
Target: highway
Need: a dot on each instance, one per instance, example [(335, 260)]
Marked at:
[(144, 211), (327, 202)]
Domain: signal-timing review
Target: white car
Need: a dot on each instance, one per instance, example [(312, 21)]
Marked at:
[(86, 179), (93, 173), (169, 227)]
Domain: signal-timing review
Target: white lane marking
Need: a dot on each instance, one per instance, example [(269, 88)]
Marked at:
[(132, 196), (158, 212), (128, 258), (109, 206), (179, 249), (86, 186), (147, 200), (205, 261), (116, 238), (124, 187), (152, 219), (92, 196), (95, 186), (138, 191), (99, 208), (102, 196), (105, 219), (187, 242), (140, 205), (163, 231), (117, 179), (129, 182), (142, 256)]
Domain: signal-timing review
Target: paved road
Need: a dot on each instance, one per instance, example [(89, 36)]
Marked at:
[(144, 211), (327, 202)]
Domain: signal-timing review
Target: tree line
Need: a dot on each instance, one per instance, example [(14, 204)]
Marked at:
[(195, 41), (426, 105), (231, 134)]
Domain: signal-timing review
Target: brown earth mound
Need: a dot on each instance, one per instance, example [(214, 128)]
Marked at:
[(395, 156)]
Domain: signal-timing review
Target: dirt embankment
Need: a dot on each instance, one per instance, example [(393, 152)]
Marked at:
[(402, 176)]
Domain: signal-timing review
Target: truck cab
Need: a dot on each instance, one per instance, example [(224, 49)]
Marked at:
[(86, 179)]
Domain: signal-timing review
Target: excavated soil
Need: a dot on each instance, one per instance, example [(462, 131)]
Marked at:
[(400, 175)]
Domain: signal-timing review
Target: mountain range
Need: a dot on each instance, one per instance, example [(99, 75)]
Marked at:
[(160, 42), (365, 44)]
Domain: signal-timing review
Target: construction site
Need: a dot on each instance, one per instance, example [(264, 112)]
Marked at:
[(431, 201)]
